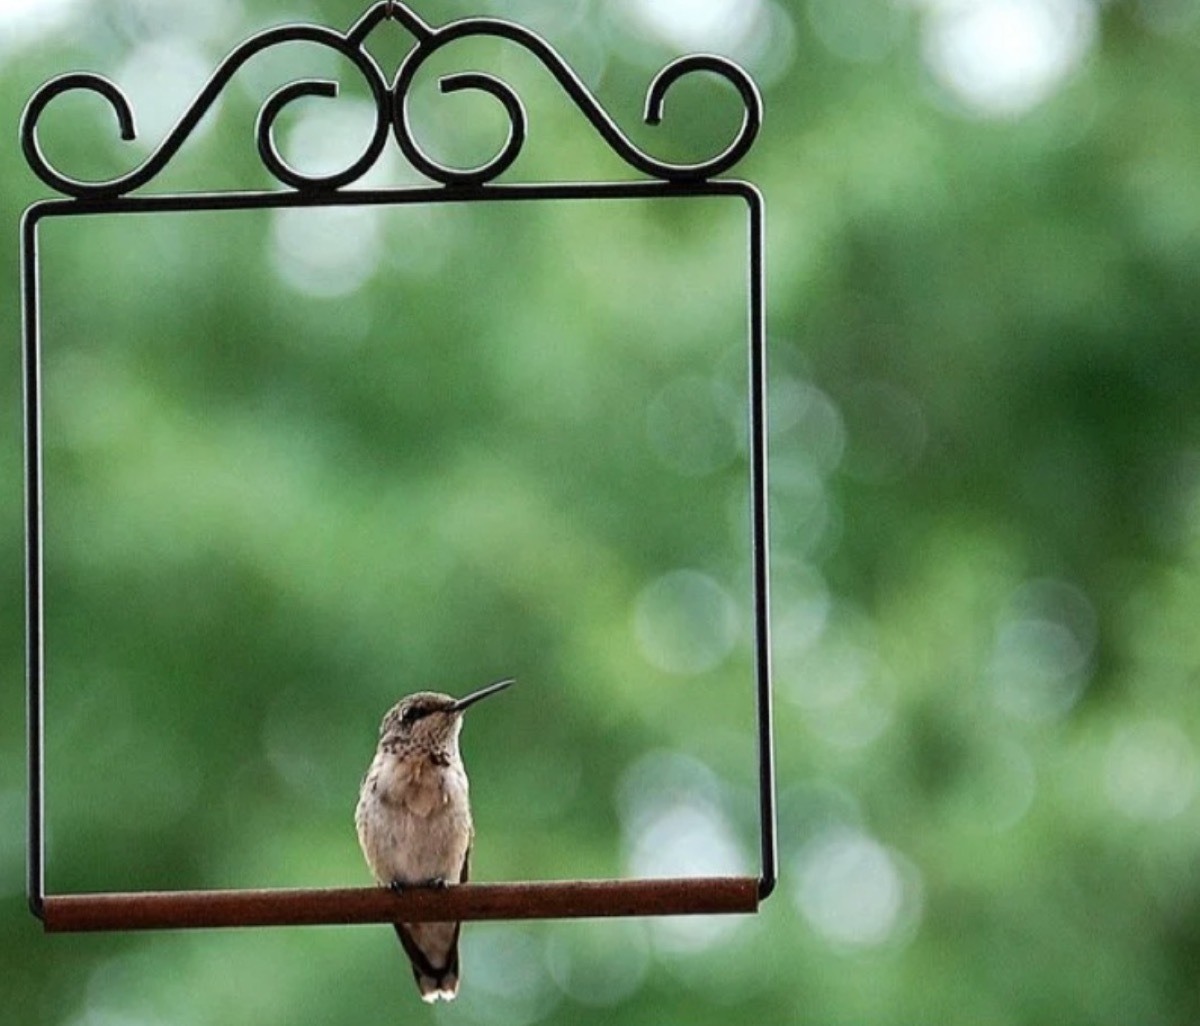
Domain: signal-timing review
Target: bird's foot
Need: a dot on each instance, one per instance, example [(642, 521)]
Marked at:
[(437, 883)]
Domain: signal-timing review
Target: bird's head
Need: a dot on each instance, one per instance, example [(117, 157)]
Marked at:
[(429, 717)]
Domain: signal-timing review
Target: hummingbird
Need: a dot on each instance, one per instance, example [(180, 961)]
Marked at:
[(414, 821)]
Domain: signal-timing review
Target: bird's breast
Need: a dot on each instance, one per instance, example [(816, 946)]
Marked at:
[(414, 819)]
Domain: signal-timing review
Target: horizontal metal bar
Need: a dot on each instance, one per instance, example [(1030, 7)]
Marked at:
[(168, 910), (419, 195)]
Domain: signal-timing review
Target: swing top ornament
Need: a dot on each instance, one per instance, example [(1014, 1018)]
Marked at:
[(392, 107), (452, 185)]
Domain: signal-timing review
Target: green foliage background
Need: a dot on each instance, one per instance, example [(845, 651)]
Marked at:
[(298, 467)]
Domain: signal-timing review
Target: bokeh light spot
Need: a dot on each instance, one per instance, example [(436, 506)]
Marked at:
[(698, 25), (1041, 658), (326, 252), (327, 137), (685, 622), (162, 78), (800, 607), (1151, 770), (688, 431), (24, 21), (1001, 58), (599, 968), (673, 817), (854, 892), (510, 982), (839, 681), (675, 823), (805, 418)]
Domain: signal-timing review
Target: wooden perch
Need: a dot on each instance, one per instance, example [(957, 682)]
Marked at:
[(550, 900)]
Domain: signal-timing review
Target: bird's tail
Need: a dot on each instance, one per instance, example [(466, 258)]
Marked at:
[(433, 950)]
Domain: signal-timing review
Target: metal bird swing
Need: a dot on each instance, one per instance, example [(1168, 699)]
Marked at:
[(448, 185)]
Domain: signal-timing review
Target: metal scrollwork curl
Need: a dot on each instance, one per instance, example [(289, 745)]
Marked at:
[(580, 95), (208, 95), (392, 107), (751, 116), (450, 84)]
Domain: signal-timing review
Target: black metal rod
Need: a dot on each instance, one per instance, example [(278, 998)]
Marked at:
[(451, 195), (760, 542), (34, 617), (551, 900)]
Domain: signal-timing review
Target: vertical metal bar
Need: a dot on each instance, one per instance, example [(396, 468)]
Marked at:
[(34, 647), (761, 546)]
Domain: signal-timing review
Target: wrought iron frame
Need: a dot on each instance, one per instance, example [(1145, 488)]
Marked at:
[(454, 186)]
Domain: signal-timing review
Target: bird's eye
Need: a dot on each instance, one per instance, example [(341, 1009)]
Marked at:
[(410, 715)]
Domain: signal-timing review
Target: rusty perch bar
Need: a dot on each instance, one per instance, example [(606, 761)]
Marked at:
[(168, 910)]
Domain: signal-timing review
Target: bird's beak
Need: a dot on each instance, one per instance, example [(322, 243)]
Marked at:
[(475, 696)]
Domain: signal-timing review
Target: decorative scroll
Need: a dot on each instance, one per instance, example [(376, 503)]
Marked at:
[(392, 107)]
